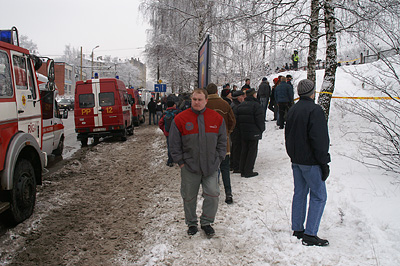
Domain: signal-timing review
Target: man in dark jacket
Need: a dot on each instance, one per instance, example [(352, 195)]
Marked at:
[(152, 110), (198, 145), (238, 98), (307, 144), (165, 124), (263, 93), (283, 96), (252, 125)]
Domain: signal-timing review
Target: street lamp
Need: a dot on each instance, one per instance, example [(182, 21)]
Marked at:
[(97, 46)]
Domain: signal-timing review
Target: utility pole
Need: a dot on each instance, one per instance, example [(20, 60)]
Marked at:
[(81, 63)]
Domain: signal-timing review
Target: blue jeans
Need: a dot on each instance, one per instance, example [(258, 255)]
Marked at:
[(224, 169), (154, 118), (264, 104), (307, 180), (159, 115)]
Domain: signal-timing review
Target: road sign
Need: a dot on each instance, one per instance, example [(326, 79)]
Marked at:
[(160, 87)]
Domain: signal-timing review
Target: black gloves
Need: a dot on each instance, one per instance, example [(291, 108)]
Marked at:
[(325, 171)]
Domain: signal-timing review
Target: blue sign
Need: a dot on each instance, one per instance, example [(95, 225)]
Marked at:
[(160, 87)]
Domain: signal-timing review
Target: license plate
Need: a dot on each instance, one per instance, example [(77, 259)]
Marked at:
[(99, 129)]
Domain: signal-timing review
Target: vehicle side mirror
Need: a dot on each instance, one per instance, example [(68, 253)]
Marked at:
[(51, 75), (65, 114)]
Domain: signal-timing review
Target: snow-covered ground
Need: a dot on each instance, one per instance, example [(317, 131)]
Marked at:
[(361, 218)]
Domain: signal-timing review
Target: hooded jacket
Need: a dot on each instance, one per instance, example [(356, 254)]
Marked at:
[(306, 133), (198, 140)]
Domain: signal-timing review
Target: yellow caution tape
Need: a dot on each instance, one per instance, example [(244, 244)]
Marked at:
[(357, 98), (349, 60)]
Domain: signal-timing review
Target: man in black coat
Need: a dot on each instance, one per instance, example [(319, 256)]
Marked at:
[(151, 106), (251, 123), (307, 144), (263, 93)]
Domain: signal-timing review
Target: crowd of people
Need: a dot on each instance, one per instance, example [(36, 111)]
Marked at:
[(211, 135)]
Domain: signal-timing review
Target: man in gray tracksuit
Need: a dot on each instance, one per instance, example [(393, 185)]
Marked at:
[(198, 140)]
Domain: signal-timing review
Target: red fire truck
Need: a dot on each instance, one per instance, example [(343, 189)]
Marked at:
[(137, 107), (102, 108), (22, 160)]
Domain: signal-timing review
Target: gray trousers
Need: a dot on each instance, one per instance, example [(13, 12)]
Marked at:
[(190, 185)]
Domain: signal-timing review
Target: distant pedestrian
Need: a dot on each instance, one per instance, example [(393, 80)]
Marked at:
[(198, 144), (307, 144), (165, 125), (263, 94), (234, 88), (226, 94), (284, 97), (251, 123), (246, 86), (151, 106), (295, 59), (224, 109), (238, 98), (159, 110)]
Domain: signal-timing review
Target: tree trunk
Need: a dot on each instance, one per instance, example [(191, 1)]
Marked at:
[(328, 85), (312, 50)]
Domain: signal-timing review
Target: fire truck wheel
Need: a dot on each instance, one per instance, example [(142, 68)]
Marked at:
[(23, 194), (60, 148), (130, 131), (96, 140), (123, 137), (84, 142)]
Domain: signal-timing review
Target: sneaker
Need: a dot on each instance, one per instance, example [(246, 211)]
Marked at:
[(314, 241), (250, 174), (298, 234), (170, 164), (208, 230), (192, 230), (229, 199)]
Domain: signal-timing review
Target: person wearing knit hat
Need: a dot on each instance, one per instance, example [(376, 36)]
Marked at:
[(305, 88), (307, 144), (250, 116)]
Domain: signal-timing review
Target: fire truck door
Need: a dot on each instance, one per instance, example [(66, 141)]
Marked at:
[(27, 96), (97, 109)]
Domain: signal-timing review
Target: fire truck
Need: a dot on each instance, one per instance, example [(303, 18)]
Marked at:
[(22, 160), (137, 107)]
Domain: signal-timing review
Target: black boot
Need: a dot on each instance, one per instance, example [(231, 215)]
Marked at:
[(314, 241)]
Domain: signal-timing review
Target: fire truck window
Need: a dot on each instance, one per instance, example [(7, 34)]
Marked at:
[(47, 104), (106, 99), (6, 89), (30, 80), (20, 72), (86, 100)]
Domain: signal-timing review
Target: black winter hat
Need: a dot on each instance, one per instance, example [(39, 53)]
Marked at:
[(305, 87), (237, 93)]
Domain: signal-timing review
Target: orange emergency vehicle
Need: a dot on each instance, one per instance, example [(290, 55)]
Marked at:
[(102, 108), (137, 107), (22, 159)]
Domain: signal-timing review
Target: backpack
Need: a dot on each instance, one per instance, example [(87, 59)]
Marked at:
[(168, 117)]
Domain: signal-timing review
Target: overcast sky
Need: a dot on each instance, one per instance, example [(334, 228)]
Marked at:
[(115, 25)]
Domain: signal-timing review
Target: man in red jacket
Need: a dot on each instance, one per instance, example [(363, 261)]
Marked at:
[(197, 139)]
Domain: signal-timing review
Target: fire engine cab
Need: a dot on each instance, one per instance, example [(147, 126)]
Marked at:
[(22, 160)]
